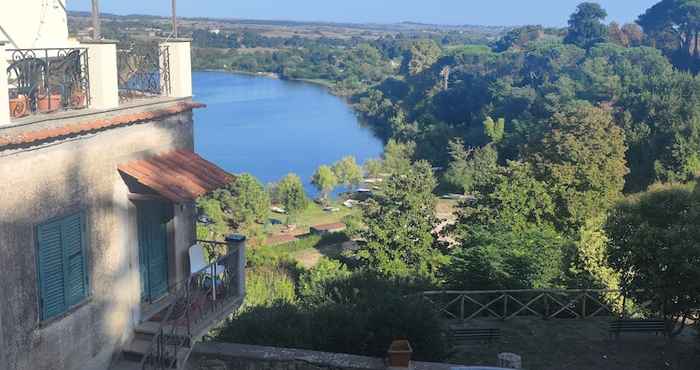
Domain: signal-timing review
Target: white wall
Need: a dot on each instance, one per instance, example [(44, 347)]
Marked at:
[(34, 23)]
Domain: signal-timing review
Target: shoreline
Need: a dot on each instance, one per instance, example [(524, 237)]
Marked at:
[(322, 83)]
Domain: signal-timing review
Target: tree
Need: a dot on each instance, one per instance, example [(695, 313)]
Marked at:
[(398, 156), (654, 244), (373, 168), (494, 130), (470, 169), (581, 156), (245, 201), (348, 172), (419, 57), (586, 26), (325, 181), (617, 36), (634, 34), (289, 192), (677, 21), (518, 38), (399, 222)]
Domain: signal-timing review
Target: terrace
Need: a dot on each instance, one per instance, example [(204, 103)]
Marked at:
[(91, 77)]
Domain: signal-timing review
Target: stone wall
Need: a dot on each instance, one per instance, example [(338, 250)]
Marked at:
[(228, 356), (58, 178)]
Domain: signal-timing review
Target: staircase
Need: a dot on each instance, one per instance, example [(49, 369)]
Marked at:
[(166, 340)]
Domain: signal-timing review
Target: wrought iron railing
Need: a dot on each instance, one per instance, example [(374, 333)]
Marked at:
[(143, 71), (198, 300), (47, 80), (508, 304)]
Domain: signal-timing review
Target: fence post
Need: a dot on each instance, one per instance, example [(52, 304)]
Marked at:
[(505, 306), (461, 308), (4, 88), (546, 306), (180, 67), (583, 316), (237, 242), (102, 66)]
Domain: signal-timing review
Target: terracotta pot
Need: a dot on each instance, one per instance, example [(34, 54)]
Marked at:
[(43, 105), (77, 100), (18, 106), (400, 353)]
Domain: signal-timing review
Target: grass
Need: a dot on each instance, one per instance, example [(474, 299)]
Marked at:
[(581, 345), (313, 215)]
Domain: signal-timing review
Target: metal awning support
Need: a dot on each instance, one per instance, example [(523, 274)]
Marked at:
[(96, 32)]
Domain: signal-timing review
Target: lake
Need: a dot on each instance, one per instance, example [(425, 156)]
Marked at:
[(269, 127)]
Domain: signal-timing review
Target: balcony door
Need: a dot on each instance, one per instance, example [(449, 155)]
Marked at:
[(153, 218)]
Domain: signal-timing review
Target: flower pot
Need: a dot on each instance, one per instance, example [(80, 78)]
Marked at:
[(18, 106), (48, 103), (400, 353), (77, 99)]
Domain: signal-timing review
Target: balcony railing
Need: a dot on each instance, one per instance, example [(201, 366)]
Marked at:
[(144, 72), (200, 301), (47, 80)]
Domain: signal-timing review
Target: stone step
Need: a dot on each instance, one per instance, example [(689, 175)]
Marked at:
[(137, 349)]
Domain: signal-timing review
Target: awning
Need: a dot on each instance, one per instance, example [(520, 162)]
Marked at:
[(179, 175)]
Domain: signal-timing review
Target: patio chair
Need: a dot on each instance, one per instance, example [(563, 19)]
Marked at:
[(28, 76)]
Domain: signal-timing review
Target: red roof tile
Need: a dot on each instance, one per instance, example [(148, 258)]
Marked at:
[(179, 175), (50, 134)]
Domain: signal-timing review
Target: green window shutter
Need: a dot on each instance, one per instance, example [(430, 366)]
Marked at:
[(74, 260), (61, 262), (51, 273)]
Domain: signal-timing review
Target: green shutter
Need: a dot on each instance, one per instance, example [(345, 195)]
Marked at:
[(74, 261), (61, 260), (51, 274)]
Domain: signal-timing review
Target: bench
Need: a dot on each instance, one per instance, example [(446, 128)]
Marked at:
[(637, 326), (461, 335)]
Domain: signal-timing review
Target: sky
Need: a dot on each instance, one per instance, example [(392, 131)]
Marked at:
[(452, 12)]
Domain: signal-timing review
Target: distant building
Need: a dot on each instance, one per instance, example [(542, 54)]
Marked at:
[(98, 178)]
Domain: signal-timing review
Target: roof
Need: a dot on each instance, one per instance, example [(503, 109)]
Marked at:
[(329, 227), (82, 128), (179, 175)]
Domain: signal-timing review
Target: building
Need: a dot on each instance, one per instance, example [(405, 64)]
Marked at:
[(98, 177)]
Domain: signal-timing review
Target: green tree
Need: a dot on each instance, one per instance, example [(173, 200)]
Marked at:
[(397, 157), (399, 222), (246, 202), (419, 56), (470, 169), (586, 27), (494, 130), (373, 168), (581, 156), (348, 172), (677, 21), (289, 192), (325, 181), (655, 246)]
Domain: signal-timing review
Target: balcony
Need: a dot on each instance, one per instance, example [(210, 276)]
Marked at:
[(196, 305), (92, 77)]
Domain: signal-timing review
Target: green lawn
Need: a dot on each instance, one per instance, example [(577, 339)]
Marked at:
[(313, 215)]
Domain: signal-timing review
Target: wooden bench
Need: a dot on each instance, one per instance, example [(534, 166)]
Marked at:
[(637, 326), (462, 335)]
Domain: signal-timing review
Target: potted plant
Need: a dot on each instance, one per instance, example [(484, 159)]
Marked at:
[(18, 106), (78, 98), (400, 353), (48, 102)]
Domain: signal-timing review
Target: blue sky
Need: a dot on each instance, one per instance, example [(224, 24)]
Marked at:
[(480, 12)]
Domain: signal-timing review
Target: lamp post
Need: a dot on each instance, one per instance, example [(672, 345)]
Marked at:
[(96, 34)]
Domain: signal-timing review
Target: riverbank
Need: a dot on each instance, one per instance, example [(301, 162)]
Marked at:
[(326, 84)]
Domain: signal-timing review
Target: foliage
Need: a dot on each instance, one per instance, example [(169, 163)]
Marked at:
[(518, 38), (314, 283), (399, 221), (674, 26), (655, 246), (494, 130), (267, 285), (586, 26), (397, 157), (581, 156), (373, 168), (348, 172), (420, 55), (290, 194), (470, 169), (325, 180), (246, 201)]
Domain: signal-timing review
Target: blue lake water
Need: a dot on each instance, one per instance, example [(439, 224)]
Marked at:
[(269, 127)]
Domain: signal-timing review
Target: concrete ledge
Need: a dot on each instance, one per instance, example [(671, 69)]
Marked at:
[(247, 357)]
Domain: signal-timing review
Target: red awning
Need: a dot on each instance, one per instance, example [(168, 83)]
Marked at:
[(179, 175)]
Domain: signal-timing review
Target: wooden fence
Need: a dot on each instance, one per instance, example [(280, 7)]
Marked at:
[(508, 304)]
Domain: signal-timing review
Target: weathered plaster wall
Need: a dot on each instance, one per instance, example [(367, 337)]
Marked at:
[(56, 179), (228, 356)]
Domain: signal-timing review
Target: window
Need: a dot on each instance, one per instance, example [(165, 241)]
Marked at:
[(61, 264)]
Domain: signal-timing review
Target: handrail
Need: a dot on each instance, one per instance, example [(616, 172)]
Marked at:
[(206, 287)]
